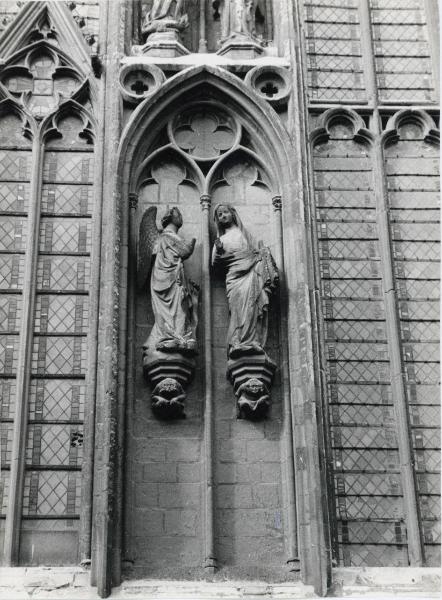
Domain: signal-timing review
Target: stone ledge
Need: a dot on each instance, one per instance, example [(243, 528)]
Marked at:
[(72, 583)]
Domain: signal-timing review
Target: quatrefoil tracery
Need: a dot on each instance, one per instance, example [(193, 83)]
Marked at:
[(208, 148), (204, 133), (41, 78)]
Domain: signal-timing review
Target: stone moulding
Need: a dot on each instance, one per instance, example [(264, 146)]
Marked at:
[(335, 115), (240, 46), (138, 81), (272, 83), (277, 150), (430, 132)]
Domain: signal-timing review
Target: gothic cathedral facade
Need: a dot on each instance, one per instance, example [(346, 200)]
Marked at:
[(219, 267)]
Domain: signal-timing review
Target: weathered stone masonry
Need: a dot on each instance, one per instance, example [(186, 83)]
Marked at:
[(318, 121)]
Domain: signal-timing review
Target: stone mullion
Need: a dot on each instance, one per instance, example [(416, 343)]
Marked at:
[(320, 365), (368, 57), (433, 28), (288, 467), (302, 376), (210, 562), (85, 532), (18, 455), (415, 548), (104, 558)]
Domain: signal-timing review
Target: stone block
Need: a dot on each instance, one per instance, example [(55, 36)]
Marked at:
[(149, 521), (82, 579), (232, 450), (248, 472), (270, 472), (234, 496), (159, 472), (249, 430), (249, 552), (223, 429), (161, 551), (179, 495), (273, 428), (150, 450), (146, 494), (262, 450), (266, 495), (189, 472), (183, 450), (181, 522), (244, 522), (225, 473)]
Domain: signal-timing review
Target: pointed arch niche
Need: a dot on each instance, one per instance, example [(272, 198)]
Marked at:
[(211, 491)]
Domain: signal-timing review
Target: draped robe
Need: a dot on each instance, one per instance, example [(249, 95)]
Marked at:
[(173, 296), (251, 275)]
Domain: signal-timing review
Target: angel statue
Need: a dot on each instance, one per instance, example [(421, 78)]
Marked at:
[(174, 297), (165, 15)]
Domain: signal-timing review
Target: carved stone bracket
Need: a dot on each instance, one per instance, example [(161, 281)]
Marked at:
[(168, 374), (164, 44), (241, 46), (251, 376)]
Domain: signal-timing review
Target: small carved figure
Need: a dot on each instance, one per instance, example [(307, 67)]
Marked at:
[(165, 15), (253, 399), (238, 16), (251, 277), (168, 399), (174, 298)]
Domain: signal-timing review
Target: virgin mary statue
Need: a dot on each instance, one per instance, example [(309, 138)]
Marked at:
[(251, 277)]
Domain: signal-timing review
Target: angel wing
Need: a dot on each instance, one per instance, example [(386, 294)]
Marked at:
[(147, 238)]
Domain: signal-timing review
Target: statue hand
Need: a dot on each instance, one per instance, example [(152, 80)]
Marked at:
[(219, 246)]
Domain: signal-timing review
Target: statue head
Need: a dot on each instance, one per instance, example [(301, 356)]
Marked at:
[(173, 215), (255, 387), (168, 388), (226, 215)]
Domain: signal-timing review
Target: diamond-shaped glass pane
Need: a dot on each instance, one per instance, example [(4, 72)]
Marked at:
[(7, 398), (11, 271), (14, 165), (10, 312), (63, 273), (13, 233), (366, 555), (8, 353), (59, 355), (6, 431), (65, 235), (57, 399), (14, 196), (66, 199), (4, 492), (68, 167), (61, 314)]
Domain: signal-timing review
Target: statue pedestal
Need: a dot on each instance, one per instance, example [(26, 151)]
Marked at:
[(168, 374), (165, 44), (240, 46), (251, 376)]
